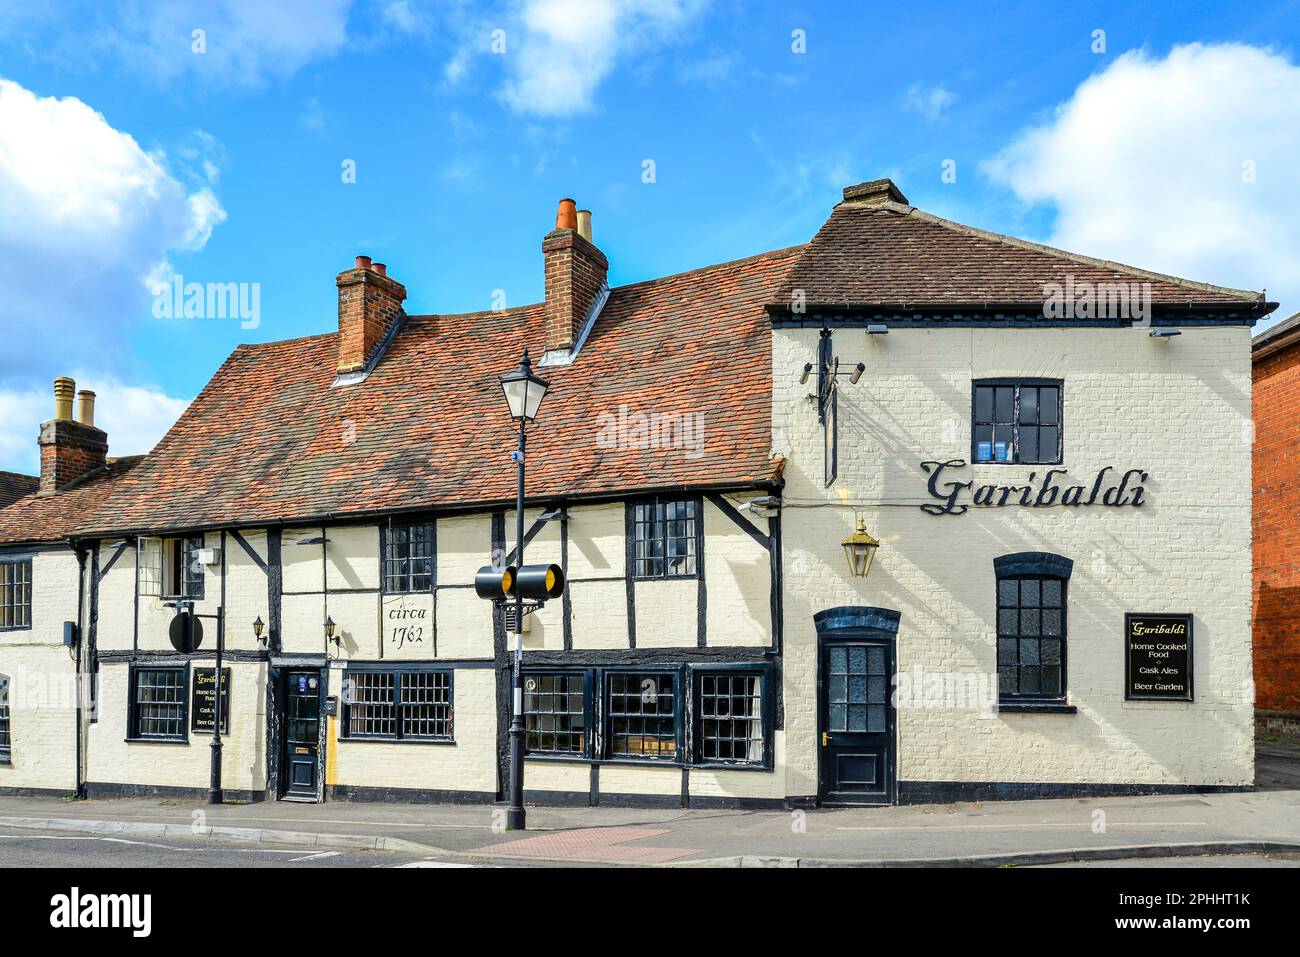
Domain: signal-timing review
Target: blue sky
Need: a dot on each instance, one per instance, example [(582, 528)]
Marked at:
[(131, 155)]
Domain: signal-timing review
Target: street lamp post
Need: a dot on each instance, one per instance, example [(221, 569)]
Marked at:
[(524, 392)]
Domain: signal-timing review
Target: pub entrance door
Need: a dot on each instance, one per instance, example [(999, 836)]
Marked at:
[(300, 761), (856, 725)]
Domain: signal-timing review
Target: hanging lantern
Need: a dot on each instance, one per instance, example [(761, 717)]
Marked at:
[(860, 549)]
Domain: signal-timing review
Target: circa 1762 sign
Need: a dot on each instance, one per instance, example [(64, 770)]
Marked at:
[(203, 699), (1157, 657)]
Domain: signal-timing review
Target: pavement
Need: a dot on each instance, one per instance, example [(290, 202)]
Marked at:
[(1262, 823)]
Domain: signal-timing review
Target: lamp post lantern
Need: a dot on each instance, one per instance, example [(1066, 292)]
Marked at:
[(524, 392)]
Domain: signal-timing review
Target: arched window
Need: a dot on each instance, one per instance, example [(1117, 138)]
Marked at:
[(1031, 627), (4, 719)]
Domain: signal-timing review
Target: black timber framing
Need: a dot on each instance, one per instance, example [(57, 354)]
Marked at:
[(248, 549)]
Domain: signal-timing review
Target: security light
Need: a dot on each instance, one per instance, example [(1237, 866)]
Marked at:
[(1165, 332), (877, 329), (807, 369), (860, 368)]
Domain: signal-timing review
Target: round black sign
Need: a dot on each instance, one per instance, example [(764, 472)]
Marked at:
[(186, 632)]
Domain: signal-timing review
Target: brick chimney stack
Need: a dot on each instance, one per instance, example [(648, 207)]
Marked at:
[(575, 276), (70, 448), (370, 303)]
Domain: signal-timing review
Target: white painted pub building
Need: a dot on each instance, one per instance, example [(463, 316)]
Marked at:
[(1040, 461)]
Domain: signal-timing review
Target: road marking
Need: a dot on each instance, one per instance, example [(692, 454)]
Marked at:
[(434, 864), (312, 857)]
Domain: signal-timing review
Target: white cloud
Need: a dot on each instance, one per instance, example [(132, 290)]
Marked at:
[(562, 50), (930, 102), (85, 216), (1145, 164), (243, 41), (135, 418)]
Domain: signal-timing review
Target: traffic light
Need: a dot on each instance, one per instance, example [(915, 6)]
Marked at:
[(495, 584), (534, 582), (539, 582)]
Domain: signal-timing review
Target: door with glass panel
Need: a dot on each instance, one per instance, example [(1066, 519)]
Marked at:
[(856, 723), (302, 693)]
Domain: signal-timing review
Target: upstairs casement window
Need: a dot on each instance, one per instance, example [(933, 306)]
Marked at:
[(408, 558), (170, 567), (5, 739), (1016, 421), (15, 593), (666, 538)]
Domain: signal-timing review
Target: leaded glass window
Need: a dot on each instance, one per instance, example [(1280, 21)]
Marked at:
[(158, 703), (555, 714), (398, 705), (1031, 638), (408, 558), (730, 709), (664, 538), (16, 594), (642, 715)]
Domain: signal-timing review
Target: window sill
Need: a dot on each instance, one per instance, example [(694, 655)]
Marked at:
[(15, 628), (360, 740), (1047, 707), (156, 740)]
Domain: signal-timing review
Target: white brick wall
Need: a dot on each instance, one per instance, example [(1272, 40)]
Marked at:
[(1179, 410)]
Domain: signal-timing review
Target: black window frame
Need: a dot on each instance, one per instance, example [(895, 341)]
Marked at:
[(766, 703), (588, 712), (9, 584), (688, 747), (639, 543), (183, 575), (608, 716), (133, 703), (1018, 697), (1016, 385), (6, 721), (397, 673), (398, 535)]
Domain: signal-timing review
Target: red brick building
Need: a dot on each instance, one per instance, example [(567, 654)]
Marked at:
[(1276, 362)]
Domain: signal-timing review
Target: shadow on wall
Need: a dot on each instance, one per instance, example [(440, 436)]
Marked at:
[(1276, 631)]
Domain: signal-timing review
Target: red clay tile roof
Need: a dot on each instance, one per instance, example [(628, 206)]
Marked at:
[(892, 254), (269, 440), (14, 485), (48, 518)]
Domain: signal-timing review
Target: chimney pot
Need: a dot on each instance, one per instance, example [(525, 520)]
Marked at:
[(576, 276), (567, 215), (370, 303), (64, 387), (70, 449), (86, 407)]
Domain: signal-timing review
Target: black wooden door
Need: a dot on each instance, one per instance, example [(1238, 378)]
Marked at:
[(301, 733), (856, 722)]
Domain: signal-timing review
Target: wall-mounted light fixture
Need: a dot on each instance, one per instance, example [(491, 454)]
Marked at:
[(877, 329), (258, 625), (329, 632), (1164, 332), (860, 549)]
